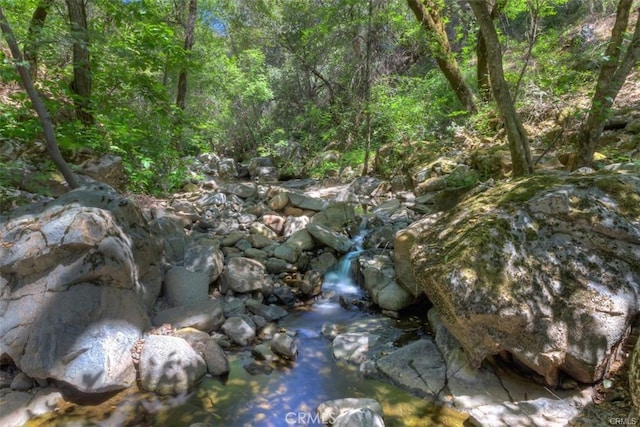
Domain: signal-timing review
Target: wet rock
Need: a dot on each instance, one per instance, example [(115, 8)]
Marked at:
[(169, 366), (284, 346), (215, 358), (418, 367), (184, 287), (353, 346), (361, 417), (239, 330), (337, 216), (243, 275), (379, 280), (205, 316), (331, 410)]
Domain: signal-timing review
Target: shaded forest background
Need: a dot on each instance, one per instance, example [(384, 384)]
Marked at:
[(157, 81)]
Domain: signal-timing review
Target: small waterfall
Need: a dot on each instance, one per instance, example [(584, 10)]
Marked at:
[(340, 281)]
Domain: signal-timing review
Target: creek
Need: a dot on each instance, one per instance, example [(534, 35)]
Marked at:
[(290, 392)]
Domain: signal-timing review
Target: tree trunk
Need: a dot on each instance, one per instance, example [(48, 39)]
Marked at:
[(517, 135), (482, 67), (43, 114), (33, 43), (426, 11), (367, 96), (181, 98), (612, 76), (81, 84)]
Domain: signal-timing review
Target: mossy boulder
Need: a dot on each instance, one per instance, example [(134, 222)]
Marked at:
[(546, 268)]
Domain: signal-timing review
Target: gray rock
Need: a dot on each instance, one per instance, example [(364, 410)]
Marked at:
[(205, 316), (337, 216), (244, 190), (353, 346), (239, 331), (540, 412), (73, 281), (269, 312), (522, 278), (169, 366), (21, 382), (216, 359), (302, 240), (175, 239), (329, 411), (108, 169), (305, 202), (14, 405), (361, 417), (379, 280), (184, 287), (328, 237), (204, 255), (278, 265), (243, 275), (285, 346), (197, 339), (418, 367), (278, 202), (287, 252), (293, 224)]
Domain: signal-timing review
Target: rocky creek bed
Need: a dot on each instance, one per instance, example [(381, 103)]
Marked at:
[(211, 300)]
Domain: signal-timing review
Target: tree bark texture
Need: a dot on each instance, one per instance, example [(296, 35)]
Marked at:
[(482, 68), (517, 135), (612, 76), (81, 84), (38, 105), (32, 45), (426, 11), (189, 30)]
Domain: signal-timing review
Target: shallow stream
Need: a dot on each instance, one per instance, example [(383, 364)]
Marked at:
[(290, 393)]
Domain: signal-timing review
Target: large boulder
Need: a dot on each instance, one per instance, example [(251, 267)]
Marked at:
[(546, 268), (77, 276), (169, 365), (244, 275), (379, 280)]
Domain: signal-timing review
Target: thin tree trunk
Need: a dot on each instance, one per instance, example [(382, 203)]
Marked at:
[(482, 66), (32, 45), (612, 76), (81, 84), (426, 12), (38, 105), (367, 97), (181, 98), (517, 135)]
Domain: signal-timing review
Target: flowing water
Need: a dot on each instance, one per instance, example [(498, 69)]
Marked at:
[(290, 393)]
